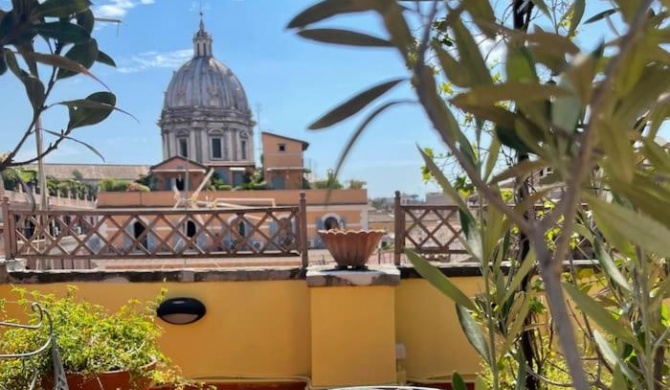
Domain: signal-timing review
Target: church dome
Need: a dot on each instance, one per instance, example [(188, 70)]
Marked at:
[(204, 82)]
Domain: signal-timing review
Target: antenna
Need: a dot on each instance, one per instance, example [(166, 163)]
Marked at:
[(259, 147), (201, 15)]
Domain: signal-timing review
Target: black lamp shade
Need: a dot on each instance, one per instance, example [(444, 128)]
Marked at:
[(181, 311)]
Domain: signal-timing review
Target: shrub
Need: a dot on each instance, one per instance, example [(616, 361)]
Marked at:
[(113, 185), (137, 187), (90, 338)]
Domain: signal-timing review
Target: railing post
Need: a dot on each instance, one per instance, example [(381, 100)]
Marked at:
[(302, 230), (6, 229), (399, 221)]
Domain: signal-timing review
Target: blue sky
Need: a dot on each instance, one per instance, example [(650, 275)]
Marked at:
[(293, 80)]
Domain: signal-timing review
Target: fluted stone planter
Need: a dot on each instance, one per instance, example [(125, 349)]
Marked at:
[(351, 249)]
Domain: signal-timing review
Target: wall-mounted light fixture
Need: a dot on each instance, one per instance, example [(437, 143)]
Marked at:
[(181, 311)]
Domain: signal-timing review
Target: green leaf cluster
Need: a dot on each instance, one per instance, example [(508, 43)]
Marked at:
[(590, 114), (65, 27)]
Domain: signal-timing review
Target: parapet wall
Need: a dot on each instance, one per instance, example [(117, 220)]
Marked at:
[(327, 329), (250, 198)]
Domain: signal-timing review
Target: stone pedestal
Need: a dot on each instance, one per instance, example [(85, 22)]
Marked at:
[(353, 326)]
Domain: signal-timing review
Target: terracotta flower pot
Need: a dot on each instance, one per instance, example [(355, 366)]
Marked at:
[(110, 380), (351, 248)]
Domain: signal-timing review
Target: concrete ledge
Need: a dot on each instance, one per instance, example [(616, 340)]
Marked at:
[(157, 276), (381, 275), (469, 269)]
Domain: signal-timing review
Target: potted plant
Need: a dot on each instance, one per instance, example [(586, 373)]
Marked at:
[(99, 349), (351, 249)]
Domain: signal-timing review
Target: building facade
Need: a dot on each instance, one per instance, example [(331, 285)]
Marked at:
[(283, 161)]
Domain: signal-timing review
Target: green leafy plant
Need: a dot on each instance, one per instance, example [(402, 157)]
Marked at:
[(91, 339), (330, 182), (113, 185), (65, 28), (137, 187), (591, 115)]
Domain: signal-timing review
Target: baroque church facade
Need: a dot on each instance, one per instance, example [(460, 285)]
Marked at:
[(206, 116)]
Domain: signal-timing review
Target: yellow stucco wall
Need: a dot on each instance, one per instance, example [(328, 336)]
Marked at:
[(353, 336), (251, 329), (427, 324), (284, 329)]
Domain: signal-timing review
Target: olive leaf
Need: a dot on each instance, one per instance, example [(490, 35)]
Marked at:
[(473, 333), (435, 277), (354, 105), (344, 37), (329, 8), (596, 312)]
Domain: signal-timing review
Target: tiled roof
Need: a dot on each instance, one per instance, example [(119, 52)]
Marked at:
[(305, 144), (380, 217), (94, 171)]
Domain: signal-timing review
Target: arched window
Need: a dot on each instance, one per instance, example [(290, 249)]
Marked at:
[(138, 229), (182, 144), (331, 223), (216, 145), (190, 229), (241, 228)]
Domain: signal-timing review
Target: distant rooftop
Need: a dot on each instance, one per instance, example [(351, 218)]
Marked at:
[(94, 171)]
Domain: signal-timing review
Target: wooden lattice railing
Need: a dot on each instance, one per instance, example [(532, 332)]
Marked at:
[(155, 233), (433, 231)]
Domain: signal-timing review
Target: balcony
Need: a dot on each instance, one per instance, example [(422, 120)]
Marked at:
[(267, 326)]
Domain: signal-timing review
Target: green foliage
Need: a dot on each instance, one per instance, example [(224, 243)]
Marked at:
[(306, 185), (253, 186), (330, 183), (11, 178), (91, 339), (356, 184), (150, 181), (254, 182), (217, 184), (114, 185), (589, 114), (77, 175), (14, 177), (137, 187), (64, 27), (556, 372)]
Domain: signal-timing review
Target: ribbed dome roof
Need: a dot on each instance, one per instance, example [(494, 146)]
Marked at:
[(205, 82)]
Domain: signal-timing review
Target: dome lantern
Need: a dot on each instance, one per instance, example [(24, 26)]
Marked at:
[(202, 42)]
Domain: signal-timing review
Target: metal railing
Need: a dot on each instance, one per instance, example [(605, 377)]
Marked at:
[(29, 358)]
